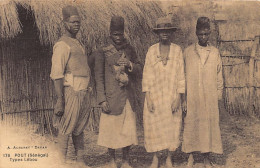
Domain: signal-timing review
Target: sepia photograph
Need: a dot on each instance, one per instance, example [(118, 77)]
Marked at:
[(129, 84)]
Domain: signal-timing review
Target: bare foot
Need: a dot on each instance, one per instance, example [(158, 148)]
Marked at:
[(155, 162), (168, 162), (207, 163), (112, 164), (190, 161), (126, 165)]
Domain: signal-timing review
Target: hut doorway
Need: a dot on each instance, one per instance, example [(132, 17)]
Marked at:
[(26, 88)]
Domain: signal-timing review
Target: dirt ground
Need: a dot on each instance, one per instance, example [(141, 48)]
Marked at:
[(241, 143), (240, 136)]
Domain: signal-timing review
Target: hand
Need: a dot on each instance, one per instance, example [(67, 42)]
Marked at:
[(149, 102), (150, 106), (175, 105), (59, 107), (90, 90), (123, 62), (184, 106), (105, 107)]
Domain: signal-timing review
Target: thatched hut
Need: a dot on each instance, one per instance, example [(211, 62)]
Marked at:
[(29, 28)]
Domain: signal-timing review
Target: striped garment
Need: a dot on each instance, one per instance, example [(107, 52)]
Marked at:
[(162, 128), (76, 114)]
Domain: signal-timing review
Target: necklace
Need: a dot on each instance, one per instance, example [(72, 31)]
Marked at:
[(164, 58)]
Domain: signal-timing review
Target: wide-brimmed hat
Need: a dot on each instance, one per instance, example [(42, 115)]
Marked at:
[(164, 23)]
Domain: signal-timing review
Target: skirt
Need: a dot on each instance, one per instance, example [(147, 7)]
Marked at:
[(118, 131)]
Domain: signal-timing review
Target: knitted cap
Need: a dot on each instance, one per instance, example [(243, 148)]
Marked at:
[(117, 24), (69, 11), (203, 23)]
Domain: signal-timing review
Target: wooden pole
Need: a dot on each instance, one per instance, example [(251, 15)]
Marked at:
[(251, 80)]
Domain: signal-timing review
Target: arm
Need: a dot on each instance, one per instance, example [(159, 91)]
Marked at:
[(180, 84), (133, 65), (58, 86), (100, 80), (184, 96), (100, 76), (181, 74), (59, 60), (149, 101), (220, 86), (146, 82), (135, 62), (91, 64), (147, 73), (60, 104), (219, 77)]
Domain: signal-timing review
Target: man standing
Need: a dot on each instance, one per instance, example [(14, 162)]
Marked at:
[(164, 87), (204, 89), (71, 75), (116, 65)]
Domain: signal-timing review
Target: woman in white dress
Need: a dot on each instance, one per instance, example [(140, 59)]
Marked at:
[(164, 87)]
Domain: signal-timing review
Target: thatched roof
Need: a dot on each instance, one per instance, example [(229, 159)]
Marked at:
[(9, 22), (96, 14)]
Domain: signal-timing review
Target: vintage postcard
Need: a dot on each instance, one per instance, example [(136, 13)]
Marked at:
[(133, 83)]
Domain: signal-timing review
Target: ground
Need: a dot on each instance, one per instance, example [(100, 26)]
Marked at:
[(241, 143), (240, 137)]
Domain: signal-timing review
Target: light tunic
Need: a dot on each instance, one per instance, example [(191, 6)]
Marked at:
[(162, 128), (204, 79)]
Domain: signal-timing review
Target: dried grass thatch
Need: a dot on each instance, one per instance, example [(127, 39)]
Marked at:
[(9, 22), (140, 17), (242, 17)]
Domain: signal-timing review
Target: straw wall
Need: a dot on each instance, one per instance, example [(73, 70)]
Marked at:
[(236, 74), (26, 95), (242, 24)]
